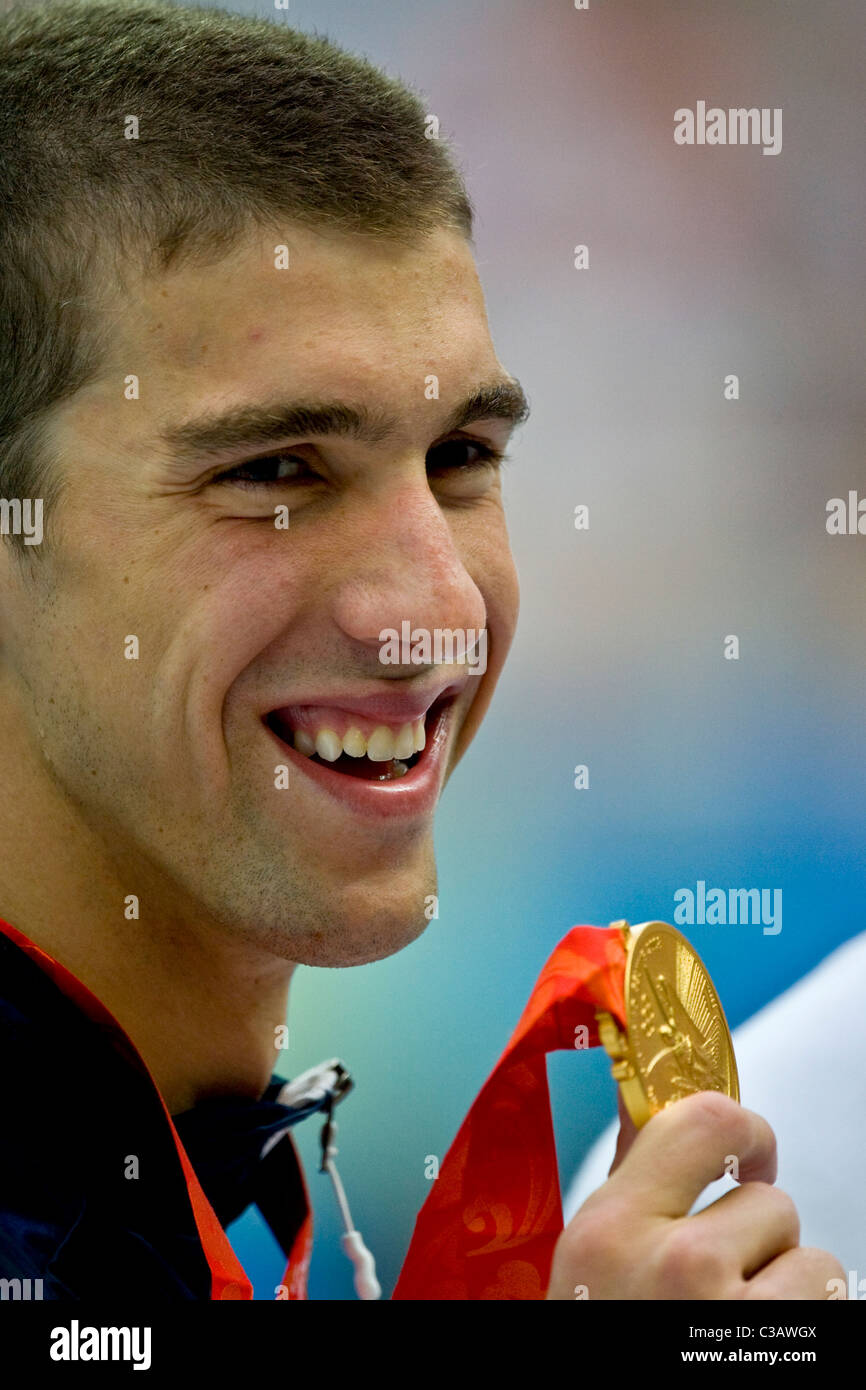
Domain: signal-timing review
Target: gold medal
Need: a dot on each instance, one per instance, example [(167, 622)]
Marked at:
[(677, 1039)]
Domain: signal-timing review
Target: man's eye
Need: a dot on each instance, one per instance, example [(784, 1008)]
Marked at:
[(276, 468), (452, 454), (461, 455)]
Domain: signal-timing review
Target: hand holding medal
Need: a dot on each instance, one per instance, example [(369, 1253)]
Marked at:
[(492, 1226)]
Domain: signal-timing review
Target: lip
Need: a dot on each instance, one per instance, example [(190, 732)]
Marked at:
[(384, 709), (413, 795)]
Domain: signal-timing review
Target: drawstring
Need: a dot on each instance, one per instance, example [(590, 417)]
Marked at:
[(330, 1082), (367, 1285)]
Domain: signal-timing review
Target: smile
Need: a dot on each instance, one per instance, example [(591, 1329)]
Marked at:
[(351, 745), (379, 756)]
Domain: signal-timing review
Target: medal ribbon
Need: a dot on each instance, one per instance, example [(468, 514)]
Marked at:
[(489, 1227)]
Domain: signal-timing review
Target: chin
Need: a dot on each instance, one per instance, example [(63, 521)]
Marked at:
[(373, 929), (305, 920), (355, 943)]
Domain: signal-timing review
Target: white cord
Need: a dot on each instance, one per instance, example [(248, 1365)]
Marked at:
[(367, 1285)]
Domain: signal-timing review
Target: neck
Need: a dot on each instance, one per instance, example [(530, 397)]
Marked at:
[(204, 1007)]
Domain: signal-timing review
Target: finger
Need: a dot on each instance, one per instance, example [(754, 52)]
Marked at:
[(804, 1273), (627, 1134), (685, 1147), (749, 1226)]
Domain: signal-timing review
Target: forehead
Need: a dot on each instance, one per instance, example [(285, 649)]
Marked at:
[(345, 312)]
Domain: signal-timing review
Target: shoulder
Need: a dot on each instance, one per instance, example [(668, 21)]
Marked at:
[(91, 1187)]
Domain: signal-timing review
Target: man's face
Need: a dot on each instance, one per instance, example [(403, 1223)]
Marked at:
[(246, 629)]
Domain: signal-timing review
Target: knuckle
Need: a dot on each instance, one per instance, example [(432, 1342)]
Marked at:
[(807, 1274), (690, 1266), (717, 1120), (594, 1238), (826, 1265), (783, 1206)]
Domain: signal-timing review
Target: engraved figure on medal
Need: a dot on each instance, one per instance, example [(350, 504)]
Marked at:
[(676, 1040)]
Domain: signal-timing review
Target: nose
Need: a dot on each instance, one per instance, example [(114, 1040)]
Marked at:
[(403, 565)]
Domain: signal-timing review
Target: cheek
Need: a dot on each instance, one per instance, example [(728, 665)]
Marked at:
[(509, 595), (240, 587), (491, 565), (486, 553)]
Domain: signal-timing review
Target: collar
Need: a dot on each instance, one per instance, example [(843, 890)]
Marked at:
[(228, 1137)]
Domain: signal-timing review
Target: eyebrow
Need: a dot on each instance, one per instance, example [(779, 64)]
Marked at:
[(253, 426)]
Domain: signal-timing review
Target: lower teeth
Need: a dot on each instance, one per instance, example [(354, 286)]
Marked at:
[(388, 771), (398, 769)]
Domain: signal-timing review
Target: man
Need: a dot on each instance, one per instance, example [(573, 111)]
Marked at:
[(249, 370)]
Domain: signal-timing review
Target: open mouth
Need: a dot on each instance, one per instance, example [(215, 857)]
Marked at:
[(353, 747)]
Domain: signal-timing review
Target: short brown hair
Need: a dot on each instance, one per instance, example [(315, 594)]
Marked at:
[(242, 121)]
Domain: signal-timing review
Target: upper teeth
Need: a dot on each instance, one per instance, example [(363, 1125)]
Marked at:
[(380, 746)]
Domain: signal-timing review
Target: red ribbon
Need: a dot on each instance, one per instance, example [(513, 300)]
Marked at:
[(489, 1227)]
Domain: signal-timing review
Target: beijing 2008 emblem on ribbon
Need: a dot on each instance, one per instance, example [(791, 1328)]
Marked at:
[(676, 1040)]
